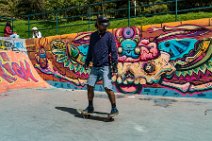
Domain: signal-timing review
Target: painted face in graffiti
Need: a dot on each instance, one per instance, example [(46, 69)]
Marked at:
[(42, 58), (132, 48), (127, 40), (131, 76), (127, 83)]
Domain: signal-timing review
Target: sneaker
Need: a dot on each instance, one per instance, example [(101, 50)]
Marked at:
[(89, 109), (114, 111)]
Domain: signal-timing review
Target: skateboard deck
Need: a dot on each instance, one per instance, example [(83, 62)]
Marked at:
[(106, 116)]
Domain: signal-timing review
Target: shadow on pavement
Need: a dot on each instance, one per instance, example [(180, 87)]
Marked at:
[(78, 115)]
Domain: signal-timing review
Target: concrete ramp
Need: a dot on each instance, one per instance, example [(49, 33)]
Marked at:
[(16, 70)]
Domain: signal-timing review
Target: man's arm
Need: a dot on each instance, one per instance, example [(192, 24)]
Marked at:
[(114, 54), (89, 55), (39, 35), (33, 35)]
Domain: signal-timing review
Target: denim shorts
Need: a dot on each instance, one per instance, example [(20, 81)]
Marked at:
[(101, 73)]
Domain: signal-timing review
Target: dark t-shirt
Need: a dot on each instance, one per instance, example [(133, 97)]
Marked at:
[(102, 49)]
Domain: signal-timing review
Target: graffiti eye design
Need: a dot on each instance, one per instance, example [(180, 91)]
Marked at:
[(128, 33), (167, 44), (120, 50), (137, 50), (149, 67)]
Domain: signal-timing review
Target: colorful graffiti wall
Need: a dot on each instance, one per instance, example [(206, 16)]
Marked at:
[(168, 59), (16, 70)]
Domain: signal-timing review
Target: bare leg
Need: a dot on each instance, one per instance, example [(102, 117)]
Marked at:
[(111, 96), (90, 91)]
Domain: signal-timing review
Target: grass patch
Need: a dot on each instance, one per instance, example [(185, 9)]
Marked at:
[(49, 28)]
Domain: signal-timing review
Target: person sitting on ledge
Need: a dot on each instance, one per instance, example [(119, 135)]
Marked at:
[(36, 33)]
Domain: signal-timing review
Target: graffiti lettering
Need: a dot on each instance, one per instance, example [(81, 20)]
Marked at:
[(5, 75), (8, 70)]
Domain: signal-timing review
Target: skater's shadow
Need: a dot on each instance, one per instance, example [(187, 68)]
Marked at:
[(76, 114)]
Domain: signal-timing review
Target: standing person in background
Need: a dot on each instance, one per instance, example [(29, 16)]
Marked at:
[(8, 30), (36, 33), (103, 53)]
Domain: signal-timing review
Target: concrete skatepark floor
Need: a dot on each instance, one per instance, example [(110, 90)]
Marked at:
[(50, 115)]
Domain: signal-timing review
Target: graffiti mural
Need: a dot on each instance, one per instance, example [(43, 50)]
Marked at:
[(189, 47), (63, 60), (12, 44), (16, 69), (168, 60), (9, 70), (179, 58)]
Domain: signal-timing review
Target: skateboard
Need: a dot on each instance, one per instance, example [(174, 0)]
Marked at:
[(95, 114)]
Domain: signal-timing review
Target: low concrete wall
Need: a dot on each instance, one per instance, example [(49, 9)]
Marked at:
[(169, 59)]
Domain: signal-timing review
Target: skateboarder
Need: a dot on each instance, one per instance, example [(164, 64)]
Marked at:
[(103, 53)]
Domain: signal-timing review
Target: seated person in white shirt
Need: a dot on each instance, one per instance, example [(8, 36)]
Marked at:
[(36, 33)]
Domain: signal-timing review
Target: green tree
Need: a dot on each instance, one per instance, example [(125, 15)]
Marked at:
[(30, 6), (8, 8)]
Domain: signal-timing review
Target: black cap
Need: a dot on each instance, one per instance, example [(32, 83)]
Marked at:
[(104, 21)]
